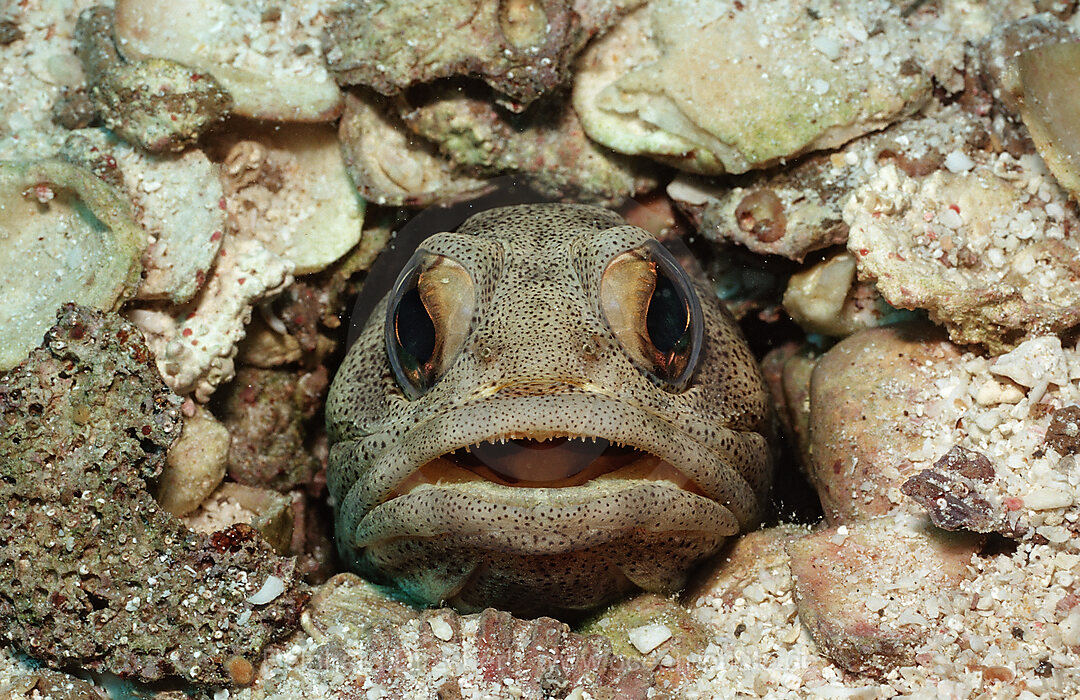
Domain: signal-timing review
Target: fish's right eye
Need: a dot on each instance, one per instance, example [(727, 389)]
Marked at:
[(427, 319)]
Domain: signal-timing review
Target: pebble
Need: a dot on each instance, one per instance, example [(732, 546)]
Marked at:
[(648, 637)]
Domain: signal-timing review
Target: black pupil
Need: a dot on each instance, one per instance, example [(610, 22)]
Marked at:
[(667, 317), (413, 328)]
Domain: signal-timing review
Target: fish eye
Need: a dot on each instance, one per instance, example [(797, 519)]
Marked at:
[(427, 318), (649, 303)]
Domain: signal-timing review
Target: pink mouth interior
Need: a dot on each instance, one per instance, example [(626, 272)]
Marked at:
[(558, 462), (532, 460)]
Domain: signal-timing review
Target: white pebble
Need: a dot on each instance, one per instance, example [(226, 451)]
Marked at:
[(819, 86), (1048, 498), (441, 628), (1070, 628), (874, 602), (828, 46), (271, 589), (950, 218), (1034, 361), (648, 637), (959, 162), (857, 31)]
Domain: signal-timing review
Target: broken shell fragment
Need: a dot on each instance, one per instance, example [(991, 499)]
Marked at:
[(64, 235), (390, 165), (289, 187), (176, 199), (1051, 107), (273, 69), (814, 297), (827, 298)]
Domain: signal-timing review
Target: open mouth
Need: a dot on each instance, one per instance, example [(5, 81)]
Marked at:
[(555, 462)]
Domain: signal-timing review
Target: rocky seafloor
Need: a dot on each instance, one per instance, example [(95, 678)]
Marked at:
[(885, 194)]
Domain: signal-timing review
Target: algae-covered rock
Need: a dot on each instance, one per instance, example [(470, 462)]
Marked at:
[(269, 413), (523, 48), (157, 104), (546, 143), (64, 236), (714, 88), (92, 571)]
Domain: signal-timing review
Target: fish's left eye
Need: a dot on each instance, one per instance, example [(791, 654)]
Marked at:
[(649, 303), (427, 318)]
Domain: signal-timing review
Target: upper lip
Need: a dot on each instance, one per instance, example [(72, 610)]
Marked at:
[(706, 458), (558, 462)]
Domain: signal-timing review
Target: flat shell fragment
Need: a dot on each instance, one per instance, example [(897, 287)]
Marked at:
[(1051, 107), (711, 89), (270, 63), (289, 188), (64, 236), (176, 199), (389, 164)]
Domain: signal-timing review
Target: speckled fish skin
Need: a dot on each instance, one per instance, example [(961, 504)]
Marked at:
[(539, 360)]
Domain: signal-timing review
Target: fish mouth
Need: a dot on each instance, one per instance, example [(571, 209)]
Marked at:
[(549, 462)]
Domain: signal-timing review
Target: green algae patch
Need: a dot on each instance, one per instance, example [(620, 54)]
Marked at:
[(93, 572), (64, 236)]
